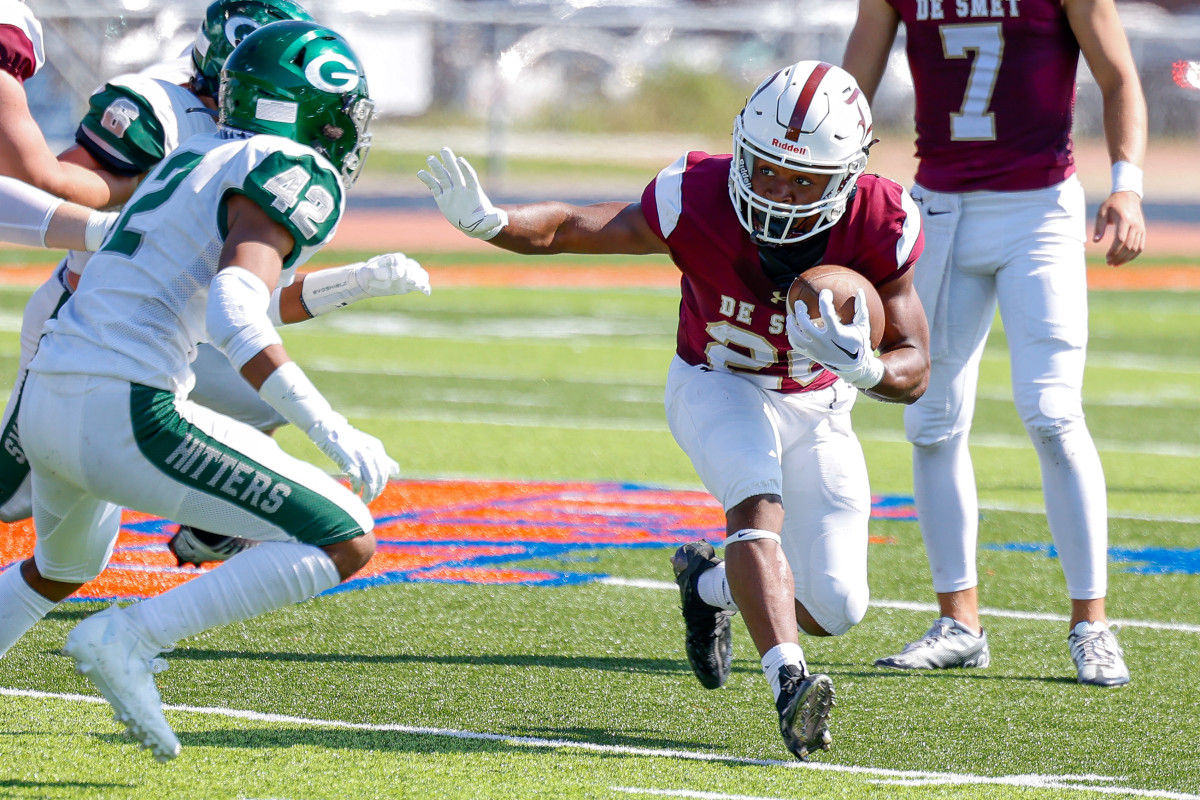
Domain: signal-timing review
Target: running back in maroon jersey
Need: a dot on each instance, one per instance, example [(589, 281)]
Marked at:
[(995, 92), (731, 315)]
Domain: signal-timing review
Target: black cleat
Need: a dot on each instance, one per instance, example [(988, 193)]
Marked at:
[(193, 546), (709, 640), (804, 705)]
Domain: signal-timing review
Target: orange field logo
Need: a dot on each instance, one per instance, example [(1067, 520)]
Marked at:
[(456, 532)]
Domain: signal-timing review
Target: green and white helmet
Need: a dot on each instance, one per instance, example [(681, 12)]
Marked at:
[(225, 23), (301, 81)]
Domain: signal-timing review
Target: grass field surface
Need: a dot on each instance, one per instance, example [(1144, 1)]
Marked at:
[(527, 643)]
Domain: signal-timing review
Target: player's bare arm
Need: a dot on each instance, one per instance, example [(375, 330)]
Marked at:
[(25, 155), (870, 43), (602, 228), (535, 228), (1105, 47), (904, 349), (120, 187)]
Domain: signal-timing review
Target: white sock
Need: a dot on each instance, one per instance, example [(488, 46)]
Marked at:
[(778, 656), (713, 588), (20, 607), (261, 579)]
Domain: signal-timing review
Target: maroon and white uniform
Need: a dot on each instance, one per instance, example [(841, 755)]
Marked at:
[(1004, 225), (731, 315), (21, 51), (752, 419)]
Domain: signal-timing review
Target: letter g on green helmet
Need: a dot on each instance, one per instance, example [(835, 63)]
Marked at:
[(225, 23), (301, 81)]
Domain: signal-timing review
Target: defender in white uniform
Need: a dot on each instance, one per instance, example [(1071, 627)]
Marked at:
[(105, 418), (132, 123)]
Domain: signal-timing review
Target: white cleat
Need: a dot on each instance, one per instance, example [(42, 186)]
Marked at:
[(946, 644), (1098, 656), (109, 653)]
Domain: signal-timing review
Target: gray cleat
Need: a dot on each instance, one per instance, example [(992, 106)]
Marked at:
[(946, 644)]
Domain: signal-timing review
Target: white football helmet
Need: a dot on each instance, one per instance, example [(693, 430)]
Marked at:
[(810, 117)]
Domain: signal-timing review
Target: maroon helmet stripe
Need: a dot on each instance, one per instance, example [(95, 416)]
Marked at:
[(805, 100)]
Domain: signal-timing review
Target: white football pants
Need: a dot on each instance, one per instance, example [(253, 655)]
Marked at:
[(745, 441), (98, 444), (1023, 251)]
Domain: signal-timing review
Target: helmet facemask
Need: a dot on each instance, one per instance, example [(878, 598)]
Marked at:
[(349, 154)]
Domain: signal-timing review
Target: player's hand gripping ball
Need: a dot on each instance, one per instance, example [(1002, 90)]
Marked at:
[(844, 283)]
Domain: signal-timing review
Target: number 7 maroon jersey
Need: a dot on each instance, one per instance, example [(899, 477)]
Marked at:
[(731, 315), (995, 92)]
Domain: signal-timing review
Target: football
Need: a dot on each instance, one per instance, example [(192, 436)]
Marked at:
[(844, 283)]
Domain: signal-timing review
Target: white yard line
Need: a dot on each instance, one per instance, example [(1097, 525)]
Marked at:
[(904, 605), (1108, 784)]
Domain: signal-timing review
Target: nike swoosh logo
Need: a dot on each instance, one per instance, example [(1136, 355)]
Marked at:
[(937, 213), (470, 227), (853, 355)]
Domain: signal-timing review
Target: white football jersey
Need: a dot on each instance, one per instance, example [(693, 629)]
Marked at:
[(19, 15), (135, 120), (139, 311)]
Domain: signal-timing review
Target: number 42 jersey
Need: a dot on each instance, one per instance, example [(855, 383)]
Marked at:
[(140, 308)]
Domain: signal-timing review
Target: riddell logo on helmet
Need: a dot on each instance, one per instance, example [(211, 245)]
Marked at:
[(791, 148)]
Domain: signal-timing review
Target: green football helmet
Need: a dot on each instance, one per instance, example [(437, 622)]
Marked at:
[(302, 81), (225, 23)]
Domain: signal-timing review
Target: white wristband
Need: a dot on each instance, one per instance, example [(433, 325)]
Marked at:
[(96, 229), (289, 391), (1127, 177)]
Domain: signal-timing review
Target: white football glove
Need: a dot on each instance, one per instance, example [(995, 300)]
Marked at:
[(391, 273), (844, 350), (359, 455), (326, 290), (459, 197)]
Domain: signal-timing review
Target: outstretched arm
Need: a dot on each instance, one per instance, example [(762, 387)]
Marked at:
[(321, 291), (1102, 41), (870, 43), (536, 228)]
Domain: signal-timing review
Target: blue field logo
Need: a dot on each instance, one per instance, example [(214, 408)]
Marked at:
[(1141, 560)]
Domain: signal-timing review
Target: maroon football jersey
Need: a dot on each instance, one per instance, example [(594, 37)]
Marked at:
[(995, 92), (20, 40), (16, 53), (731, 315)]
